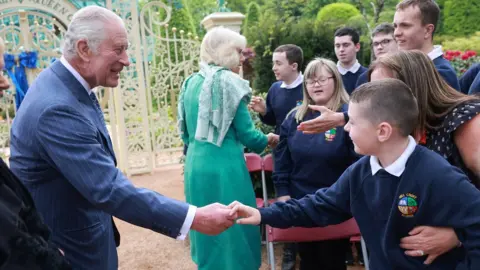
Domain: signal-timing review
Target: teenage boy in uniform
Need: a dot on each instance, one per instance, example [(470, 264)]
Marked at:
[(282, 97), (347, 44), (383, 43), (415, 22)]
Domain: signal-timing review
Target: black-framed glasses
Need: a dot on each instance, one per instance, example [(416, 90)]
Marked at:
[(384, 42), (321, 81)]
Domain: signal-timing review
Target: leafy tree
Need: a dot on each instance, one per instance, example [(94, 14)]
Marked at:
[(313, 7), (461, 17)]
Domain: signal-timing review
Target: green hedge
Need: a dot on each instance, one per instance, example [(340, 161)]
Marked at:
[(336, 14)]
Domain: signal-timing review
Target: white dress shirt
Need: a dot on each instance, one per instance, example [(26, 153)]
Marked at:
[(187, 224), (297, 82), (353, 69), (436, 52), (397, 167)]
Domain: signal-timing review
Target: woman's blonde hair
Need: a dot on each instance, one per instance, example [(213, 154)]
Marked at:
[(434, 96), (220, 47), (340, 95)]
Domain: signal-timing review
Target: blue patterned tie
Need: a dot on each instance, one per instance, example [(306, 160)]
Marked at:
[(98, 108)]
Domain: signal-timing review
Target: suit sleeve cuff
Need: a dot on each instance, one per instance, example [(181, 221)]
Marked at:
[(187, 224)]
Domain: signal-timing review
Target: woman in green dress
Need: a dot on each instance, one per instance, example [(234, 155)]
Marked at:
[(215, 124)]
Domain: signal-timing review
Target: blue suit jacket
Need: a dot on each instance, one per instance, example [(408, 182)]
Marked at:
[(61, 151)]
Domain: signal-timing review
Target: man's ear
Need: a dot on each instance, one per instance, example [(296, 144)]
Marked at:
[(295, 66), (384, 131), (357, 47), (83, 50), (429, 28)]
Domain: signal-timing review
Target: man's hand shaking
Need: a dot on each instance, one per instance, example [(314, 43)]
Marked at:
[(213, 219)]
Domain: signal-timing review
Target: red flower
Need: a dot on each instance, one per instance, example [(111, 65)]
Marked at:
[(449, 57), (465, 56), (471, 53), (457, 53)]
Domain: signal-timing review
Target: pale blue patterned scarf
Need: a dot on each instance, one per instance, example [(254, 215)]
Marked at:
[(221, 93)]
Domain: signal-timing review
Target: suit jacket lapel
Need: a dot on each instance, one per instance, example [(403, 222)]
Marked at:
[(81, 94)]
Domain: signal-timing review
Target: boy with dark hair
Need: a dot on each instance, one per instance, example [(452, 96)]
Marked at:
[(347, 44), (415, 22), (383, 42), (282, 97), (395, 187), (287, 92)]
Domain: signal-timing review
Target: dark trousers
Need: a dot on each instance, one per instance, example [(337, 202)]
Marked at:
[(324, 255)]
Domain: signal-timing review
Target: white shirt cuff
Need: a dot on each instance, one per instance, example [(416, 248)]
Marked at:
[(187, 223)]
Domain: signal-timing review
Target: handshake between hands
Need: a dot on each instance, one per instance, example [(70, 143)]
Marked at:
[(215, 218)]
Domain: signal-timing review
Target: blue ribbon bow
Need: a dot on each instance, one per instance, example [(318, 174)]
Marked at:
[(19, 78)]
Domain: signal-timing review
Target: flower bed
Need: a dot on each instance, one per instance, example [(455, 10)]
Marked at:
[(461, 61)]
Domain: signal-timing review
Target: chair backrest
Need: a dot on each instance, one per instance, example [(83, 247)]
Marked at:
[(297, 234), (268, 163), (254, 162)]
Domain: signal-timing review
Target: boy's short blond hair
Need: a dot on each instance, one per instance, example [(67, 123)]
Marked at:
[(388, 100)]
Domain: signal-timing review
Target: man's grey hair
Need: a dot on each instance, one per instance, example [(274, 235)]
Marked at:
[(384, 28), (87, 24)]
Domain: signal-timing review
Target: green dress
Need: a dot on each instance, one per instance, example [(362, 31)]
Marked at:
[(219, 174)]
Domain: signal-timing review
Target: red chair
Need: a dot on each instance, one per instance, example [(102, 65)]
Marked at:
[(255, 164), (347, 229)]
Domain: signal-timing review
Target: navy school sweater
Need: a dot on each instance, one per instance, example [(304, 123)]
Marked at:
[(305, 163), (280, 101), (429, 192), (470, 80), (350, 79), (363, 78), (447, 72)]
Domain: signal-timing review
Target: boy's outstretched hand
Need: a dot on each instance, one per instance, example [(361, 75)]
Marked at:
[(245, 214)]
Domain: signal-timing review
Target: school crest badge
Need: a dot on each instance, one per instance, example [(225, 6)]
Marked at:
[(330, 134), (408, 205), (299, 102)]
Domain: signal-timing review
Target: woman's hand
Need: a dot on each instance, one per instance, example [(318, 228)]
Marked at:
[(430, 241), (326, 121), (273, 139), (283, 198)]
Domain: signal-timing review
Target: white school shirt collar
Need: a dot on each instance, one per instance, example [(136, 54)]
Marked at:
[(397, 167), (353, 69), (436, 52), (76, 74), (297, 82)]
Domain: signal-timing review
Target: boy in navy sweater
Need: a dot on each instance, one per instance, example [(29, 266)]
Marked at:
[(287, 92), (395, 187), (347, 44), (282, 97), (383, 43), (415, 22)]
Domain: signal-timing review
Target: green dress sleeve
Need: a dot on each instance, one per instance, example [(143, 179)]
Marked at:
[(250, 137)]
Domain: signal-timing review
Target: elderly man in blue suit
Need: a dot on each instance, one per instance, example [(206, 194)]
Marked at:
[(61, 151)]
